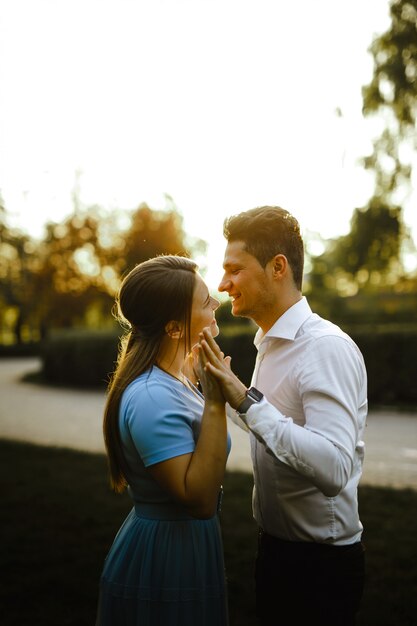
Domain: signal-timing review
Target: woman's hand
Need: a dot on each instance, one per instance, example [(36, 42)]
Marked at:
[(218, 366)]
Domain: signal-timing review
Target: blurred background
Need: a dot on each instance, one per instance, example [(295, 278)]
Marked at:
[(131, 128)]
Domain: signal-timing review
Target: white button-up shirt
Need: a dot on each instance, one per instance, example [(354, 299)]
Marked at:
[(306, 434)]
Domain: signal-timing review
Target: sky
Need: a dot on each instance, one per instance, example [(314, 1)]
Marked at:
[(223, 105)]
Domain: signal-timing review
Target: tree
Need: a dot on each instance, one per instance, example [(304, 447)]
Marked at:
[(370, 255), (392, 94), (393, 87), (17, 294), (69, 278), (151, 232)]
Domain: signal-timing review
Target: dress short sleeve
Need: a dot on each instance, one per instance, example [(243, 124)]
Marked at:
[(161, 417)]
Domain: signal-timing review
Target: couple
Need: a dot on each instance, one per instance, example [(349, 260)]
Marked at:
[(168, 443)]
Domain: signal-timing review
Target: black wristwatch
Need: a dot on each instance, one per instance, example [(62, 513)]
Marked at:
[(253, 396)]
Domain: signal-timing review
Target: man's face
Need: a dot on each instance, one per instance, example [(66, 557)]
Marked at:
[(246, 282)]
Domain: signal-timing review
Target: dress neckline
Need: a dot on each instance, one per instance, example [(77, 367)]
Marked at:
[(188, 385)]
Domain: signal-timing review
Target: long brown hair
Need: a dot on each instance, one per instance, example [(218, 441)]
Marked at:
[(151, 295)]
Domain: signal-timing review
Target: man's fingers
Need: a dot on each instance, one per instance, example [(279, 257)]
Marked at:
[(202, 356), (210, 354), (216, 372), (211, 342)]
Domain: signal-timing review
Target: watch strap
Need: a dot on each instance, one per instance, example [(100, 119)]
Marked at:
[(245, 405), (253, 396)]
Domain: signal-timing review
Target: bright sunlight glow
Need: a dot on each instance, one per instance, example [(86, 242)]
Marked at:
[(222, 104)]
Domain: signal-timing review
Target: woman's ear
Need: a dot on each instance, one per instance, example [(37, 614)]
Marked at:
[(173, 330)]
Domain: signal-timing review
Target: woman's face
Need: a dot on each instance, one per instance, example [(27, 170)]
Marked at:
[(202, 313)]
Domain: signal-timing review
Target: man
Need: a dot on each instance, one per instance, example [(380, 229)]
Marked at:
[(306, 413)]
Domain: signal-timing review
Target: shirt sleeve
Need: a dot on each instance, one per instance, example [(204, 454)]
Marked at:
[(160, 423), (331, 381), (234, 416)]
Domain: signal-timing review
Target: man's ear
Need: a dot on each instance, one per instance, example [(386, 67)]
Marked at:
[(279, 265), (174, 330)]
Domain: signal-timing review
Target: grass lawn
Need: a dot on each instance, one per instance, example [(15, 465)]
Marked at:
[(58, 519)]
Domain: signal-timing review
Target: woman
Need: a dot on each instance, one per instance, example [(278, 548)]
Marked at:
[(168, 444)]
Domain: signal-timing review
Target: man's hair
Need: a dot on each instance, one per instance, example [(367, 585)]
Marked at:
[(267, 231)]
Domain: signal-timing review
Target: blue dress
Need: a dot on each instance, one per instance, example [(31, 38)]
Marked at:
[(165, 568)]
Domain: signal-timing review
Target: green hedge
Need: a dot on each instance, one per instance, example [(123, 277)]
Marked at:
[(391, 361), (86, 359), (79, 358), (20, 349), (238, 343)]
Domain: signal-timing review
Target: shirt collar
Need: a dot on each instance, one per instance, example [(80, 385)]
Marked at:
[(287, 326)]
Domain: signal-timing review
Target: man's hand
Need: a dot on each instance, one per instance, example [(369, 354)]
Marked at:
[(218, 365), (210, 385)]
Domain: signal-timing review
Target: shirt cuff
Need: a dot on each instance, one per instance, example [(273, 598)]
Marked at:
[(262, 419)]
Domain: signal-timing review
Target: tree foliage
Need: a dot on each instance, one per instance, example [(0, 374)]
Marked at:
[(392, 93), (150, 233), (369, 256), (16, 268), (363, 256), (394, 81), (69, 278)]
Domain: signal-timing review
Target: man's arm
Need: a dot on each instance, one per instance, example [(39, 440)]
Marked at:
[(330, 382)]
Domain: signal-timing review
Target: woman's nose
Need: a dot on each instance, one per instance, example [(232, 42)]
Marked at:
[(215, 304)]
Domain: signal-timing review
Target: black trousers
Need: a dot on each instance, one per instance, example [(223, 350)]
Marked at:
[(301, 583)]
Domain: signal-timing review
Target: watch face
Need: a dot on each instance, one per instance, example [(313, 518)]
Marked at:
[(255, 394), (252, 397)]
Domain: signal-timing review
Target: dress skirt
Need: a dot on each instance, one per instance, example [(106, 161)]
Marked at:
[(164, 568)]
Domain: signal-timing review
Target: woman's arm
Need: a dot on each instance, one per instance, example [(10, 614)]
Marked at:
[(195, 479)]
